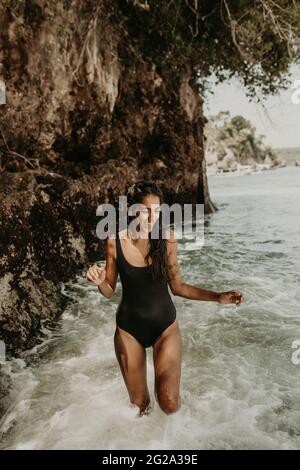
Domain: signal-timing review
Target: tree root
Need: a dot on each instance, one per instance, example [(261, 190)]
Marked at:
[(12, 153)]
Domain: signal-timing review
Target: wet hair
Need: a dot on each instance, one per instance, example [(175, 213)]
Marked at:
[(135, 194)]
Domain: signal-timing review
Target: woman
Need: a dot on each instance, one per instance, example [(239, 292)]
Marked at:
[(146, 315)]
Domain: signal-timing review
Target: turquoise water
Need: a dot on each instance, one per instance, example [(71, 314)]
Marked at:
[(240, 387)]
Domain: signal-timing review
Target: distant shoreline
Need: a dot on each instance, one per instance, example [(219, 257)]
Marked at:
[(289, 155), (242, 170)]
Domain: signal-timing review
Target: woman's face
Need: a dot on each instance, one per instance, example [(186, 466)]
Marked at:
[(149, 213)]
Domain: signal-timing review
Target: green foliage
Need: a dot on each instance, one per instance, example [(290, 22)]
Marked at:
[(235, 140), (256, 40)]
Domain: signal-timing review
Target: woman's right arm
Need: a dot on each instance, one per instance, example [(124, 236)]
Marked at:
[(105, 277)]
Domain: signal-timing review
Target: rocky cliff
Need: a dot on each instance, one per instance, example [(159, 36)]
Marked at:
[(88, 110)]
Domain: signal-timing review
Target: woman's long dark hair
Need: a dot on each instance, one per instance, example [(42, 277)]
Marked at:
[(135, 194)]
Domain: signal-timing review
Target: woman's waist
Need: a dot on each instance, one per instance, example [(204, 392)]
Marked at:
[(141, 295), (153, 305)]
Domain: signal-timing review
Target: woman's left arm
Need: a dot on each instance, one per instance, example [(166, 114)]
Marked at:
[(181, 289)]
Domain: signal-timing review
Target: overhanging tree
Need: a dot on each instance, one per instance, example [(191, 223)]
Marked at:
[(256, 40)]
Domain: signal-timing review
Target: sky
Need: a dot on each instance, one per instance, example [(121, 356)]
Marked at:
[(281, 125)]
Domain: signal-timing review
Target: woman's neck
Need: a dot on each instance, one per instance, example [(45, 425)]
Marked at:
[(141, 239)]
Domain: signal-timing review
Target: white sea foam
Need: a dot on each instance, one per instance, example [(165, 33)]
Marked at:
[(239, 387)]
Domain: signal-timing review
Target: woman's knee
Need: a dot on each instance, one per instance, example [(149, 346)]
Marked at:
[(168, 404)]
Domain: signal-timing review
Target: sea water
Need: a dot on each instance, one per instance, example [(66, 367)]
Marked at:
[(240, 385)]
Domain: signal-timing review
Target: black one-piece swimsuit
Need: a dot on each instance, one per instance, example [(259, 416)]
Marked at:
[(146, 308)]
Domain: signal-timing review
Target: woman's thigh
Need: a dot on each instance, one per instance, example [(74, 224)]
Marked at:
[(132, 360), (167, 357)]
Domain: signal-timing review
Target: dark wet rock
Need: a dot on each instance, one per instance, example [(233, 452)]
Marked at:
[(86, 112)]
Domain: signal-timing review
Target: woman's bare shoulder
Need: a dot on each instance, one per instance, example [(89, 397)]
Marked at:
[(120, 234)]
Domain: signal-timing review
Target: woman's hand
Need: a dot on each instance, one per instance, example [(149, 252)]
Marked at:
[(96, 274), (231, 297)]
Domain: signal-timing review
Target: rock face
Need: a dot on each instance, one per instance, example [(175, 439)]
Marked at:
[(86, 112)]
